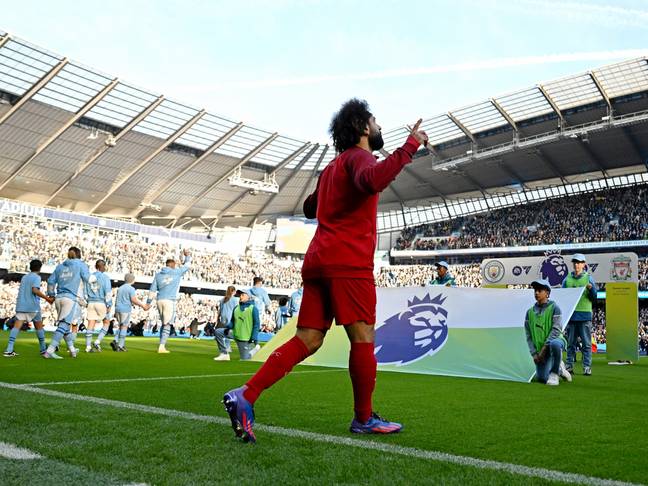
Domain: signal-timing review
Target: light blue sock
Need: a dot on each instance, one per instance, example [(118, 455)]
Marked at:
[(12, 339), (40, 334), (74, 335), (122, 336), (69, 340), (88, 337), (61, 330), (101, 335), (164, 334)]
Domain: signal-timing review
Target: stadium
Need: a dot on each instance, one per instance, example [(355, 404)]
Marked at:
[(518, 188)]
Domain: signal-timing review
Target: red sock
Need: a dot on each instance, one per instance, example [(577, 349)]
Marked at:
[(362, 368), (278, 365)]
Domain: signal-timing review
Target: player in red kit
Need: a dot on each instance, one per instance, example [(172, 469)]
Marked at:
[(338, 268)]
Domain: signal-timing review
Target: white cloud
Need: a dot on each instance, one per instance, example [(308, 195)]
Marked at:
[(469, 66)]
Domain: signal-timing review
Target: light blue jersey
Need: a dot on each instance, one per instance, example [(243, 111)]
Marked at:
[(27, 301), (295, 301), (281, 317), (227, 309), (123, 301), (68, 279), (166, 282), (99, 289), (261, 297)]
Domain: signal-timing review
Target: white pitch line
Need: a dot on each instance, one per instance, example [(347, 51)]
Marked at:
[(160, 378), (547, 474), (11, 451)]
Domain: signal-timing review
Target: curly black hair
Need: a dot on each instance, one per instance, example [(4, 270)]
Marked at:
[(349, 124)]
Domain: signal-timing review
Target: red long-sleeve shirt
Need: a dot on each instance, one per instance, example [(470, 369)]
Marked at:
[(345, 203)]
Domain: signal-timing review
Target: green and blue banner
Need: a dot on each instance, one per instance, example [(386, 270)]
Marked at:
[(473, 333)]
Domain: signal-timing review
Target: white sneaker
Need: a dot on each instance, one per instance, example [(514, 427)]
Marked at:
[(163, 350), (553, 379), (255, 350), (88, 349), (564, 374), (73, 352), (222, 357)]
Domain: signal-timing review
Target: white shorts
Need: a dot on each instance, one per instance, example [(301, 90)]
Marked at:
[(96, 311), (29, 316), (166, 308), (123, 318), (67, 310)]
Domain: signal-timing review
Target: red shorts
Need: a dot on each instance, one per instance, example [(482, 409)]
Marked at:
[(346, 300)]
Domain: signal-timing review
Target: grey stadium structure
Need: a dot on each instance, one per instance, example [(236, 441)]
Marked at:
[(77, 139)]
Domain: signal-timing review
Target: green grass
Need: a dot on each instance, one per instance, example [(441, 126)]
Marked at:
[(592, 426)]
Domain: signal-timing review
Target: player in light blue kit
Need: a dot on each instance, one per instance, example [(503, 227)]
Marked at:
[(28, 308), (295, 300), (165, 287), (67, 284), (124, 302), (260, 296), (99, 298)]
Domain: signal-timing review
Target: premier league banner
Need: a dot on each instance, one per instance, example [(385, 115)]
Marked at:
[(554, 267), (473, 333)]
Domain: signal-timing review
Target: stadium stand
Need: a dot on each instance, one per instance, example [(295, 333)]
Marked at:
[(612, 215)]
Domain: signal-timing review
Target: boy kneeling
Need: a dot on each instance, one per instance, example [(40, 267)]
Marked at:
[(543, 327)]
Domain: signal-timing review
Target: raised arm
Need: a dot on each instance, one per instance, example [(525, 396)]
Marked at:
[(186, 262), (371, 177)]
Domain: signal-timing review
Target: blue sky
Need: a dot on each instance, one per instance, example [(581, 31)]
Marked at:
[(287, 65)]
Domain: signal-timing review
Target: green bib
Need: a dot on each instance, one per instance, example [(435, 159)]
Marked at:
[(243, 323), (584, 304), (540, 325)]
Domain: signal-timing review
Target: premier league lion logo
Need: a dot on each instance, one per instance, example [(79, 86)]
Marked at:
[(410, 335), (553, 268)]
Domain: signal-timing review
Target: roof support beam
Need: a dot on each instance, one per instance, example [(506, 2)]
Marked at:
[(150, 157), (4, 40), (87, 163), (397, 194), (474, 181), (310, 180), (283, 163), (462, 128), (605, 96), (512, 173), (250, 155), (506, 116), (208, 151), (190, 220), (553, 104), (593, 157), (294, 172), (77, 116), (543, 157), (34, 89)]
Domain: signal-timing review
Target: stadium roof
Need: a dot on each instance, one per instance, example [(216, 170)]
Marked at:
[(76, 138)]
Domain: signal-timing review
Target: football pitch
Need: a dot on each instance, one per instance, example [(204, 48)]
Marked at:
[(143, 418)]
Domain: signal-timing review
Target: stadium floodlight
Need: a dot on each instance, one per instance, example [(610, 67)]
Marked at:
[(154, 207), (268, 184)]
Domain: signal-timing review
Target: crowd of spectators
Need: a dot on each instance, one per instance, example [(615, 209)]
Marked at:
[(610, 215), (419, 275), (23, 239)]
